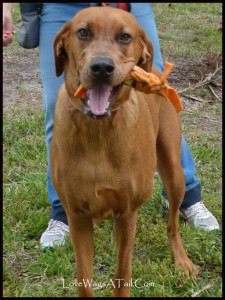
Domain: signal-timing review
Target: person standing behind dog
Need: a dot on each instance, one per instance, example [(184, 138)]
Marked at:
[(53, 16)]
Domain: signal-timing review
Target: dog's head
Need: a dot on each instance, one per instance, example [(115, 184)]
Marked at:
[(98, 48)]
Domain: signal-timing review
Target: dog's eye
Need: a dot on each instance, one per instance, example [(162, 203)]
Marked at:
[(83, 34), (124, 38)]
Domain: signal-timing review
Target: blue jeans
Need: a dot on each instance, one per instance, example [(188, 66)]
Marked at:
[(53, 17)]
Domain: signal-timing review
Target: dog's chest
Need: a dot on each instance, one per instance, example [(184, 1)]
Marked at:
[(102, 167), (100, 184)]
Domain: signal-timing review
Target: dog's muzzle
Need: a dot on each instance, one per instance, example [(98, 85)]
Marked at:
[(98, 102)]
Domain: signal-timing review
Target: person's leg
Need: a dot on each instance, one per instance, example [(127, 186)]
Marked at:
[(53, 17), (144, 15)]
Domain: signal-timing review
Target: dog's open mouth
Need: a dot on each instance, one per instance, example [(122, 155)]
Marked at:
[(98, 102)]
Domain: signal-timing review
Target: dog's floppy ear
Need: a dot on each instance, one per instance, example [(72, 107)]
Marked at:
[(60, 48), (147, 52)]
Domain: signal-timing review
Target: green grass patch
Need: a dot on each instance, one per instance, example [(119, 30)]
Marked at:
[(189, 28)]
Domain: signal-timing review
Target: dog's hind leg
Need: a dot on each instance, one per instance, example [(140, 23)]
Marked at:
[(171, 172)]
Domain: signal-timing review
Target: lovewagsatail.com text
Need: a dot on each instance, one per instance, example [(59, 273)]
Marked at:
[(116, 282)]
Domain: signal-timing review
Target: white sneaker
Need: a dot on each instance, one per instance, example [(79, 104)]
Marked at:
[(199, 216), (57, 233)]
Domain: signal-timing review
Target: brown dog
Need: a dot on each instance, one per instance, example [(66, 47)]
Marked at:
[(105, 150)]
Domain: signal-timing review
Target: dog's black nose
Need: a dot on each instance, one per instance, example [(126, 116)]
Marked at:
[(102, 69)]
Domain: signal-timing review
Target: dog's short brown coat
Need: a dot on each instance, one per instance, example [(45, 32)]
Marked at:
[(105, 168)]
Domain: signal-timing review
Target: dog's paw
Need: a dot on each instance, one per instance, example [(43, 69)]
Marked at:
[(188, 267)]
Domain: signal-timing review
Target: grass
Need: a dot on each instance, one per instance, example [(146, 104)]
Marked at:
[(29, 272), (189, 28)]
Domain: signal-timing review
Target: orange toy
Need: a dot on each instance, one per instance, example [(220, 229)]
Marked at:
[(148, 83), (81, 92)]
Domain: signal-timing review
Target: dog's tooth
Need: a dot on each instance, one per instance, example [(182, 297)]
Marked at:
[(107, 105), (88, 102)]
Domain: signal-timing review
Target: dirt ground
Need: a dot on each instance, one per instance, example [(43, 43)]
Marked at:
[(22, 86)]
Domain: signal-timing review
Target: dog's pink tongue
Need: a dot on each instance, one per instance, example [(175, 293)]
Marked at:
[(99, 97)]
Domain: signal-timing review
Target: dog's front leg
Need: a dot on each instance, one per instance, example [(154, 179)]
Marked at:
[(125, 230), (81, 233)]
